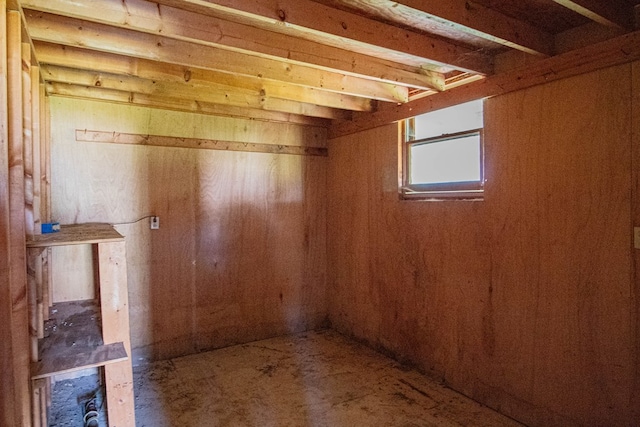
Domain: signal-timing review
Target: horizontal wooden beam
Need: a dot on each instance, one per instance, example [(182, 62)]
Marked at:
[(151, 101), (474, 19), (620, 50), (207, 144), (615, 13), (209, 91), (89, 35), (234, 100), (323, 24), (167, 21)]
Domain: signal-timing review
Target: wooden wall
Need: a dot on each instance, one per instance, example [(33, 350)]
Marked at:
[(525, 301), (240, 253)]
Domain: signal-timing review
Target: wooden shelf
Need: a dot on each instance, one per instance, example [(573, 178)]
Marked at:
[(73, 341), (87, 333), (76, 234)]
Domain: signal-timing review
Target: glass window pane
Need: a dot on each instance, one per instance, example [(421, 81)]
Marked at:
[(459, 118), (450, 160)]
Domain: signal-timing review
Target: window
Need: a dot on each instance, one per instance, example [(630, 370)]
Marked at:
[(443, 154)]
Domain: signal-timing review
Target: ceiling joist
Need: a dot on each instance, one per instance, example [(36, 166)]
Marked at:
[(613, 52), (160, 101), (360, 63), (208, 91), (615, 13), (477, 20), (316, 22), (163, 20), (89, 35)]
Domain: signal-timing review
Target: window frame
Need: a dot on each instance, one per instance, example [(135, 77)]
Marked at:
[(466, 190)]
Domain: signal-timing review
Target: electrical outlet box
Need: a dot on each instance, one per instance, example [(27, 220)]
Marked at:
[(636, 237), (154, 222)]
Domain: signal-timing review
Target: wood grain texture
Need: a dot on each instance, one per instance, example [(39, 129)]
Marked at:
[(17, 263), (208, 144), (76, 234), (521, 301), (68, 31), (620, 50), (140, 15), (27, 140), (100, 356), (220, 211), (7, 398), (114, 309), (635, 212)]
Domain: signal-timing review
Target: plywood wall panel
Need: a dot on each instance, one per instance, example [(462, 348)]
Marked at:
[(240, 253), (634, 402), (521, 301), (260, 243)]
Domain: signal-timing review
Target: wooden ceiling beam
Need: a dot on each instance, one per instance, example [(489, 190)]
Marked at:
[(620, 50), (613, 13), (206, 91), (89, 35), (477, 20), (168, 21), (71, 57), (314, 21), (163, 102)]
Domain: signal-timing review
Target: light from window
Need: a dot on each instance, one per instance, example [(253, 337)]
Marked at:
[(443, 153)]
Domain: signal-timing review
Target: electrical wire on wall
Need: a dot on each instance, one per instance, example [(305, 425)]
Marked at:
[(133, 222)]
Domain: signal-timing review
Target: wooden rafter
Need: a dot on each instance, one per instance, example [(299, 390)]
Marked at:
[(468, 17), (614, 13), (613, 52), (313, 21), (163, 20), (72, 32), (206, 91), (268, 112)]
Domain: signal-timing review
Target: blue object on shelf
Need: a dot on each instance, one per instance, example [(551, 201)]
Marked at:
[(50, 227)]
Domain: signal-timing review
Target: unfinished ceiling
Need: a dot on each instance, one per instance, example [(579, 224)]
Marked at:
[(300, 60)]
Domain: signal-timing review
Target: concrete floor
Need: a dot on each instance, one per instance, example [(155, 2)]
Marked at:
[(312, 379)]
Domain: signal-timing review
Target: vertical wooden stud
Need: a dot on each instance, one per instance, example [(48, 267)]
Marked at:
[(27, 139), (32, 256), (39, 264), (18, 280), (35, 406), (7, 397), (43, 402), (114, 302), (35, 137)]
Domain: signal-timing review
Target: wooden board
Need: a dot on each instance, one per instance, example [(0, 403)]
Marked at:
[(220, 211), (635, 203), (74, 341), (114, 308), (7, 398), (100, 356), (167, 141), (76, 234), (521, 301), (18, 280)]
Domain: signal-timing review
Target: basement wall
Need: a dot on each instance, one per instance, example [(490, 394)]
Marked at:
[(526, 301), (241, 250)]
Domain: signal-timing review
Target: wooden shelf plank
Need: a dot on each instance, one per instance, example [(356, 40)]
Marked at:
[(76, 234), (73, 340), (100, 356)]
